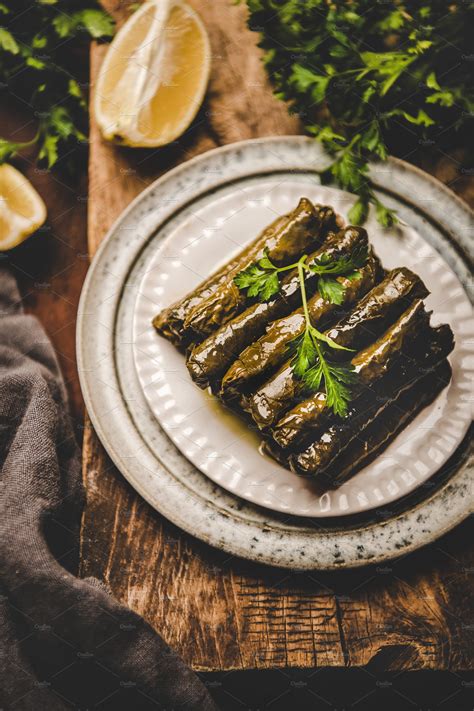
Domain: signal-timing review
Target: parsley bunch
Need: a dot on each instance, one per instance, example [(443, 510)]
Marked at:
[(37, 44), (356, 71), (310, 362)]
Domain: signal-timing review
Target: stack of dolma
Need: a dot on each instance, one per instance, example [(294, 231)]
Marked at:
[(239, 347)]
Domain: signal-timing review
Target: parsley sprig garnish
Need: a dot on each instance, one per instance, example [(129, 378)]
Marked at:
[(261, 278), (329, 268), (311, 365), (310, 361)]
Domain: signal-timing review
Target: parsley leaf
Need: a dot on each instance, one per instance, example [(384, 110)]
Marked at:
[(8, 149), (7, 41), (258, 282), (358, 213), (311, 365), (259, 279), (338, 379), (328, 269), (94, 21), (331, 289), (385, 215), (305, 353), (345, 264)]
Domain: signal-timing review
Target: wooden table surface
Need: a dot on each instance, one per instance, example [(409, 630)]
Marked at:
[(220, 612)]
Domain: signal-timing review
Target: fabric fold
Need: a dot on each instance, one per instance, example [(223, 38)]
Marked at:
[(64, 641)]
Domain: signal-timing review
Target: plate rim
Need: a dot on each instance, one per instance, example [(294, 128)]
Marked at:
[(171, 513), (165, 381)]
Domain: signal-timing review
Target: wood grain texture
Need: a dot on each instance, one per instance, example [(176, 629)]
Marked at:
[(220, 612)]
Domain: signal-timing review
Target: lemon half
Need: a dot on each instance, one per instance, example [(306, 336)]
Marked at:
[(22, 210), (154, 76)]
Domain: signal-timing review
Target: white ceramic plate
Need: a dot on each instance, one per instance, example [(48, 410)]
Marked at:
[(142, 450), (216, 441)]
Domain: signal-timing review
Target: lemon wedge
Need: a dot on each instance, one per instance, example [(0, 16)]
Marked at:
[(154, 76), (22, 210)]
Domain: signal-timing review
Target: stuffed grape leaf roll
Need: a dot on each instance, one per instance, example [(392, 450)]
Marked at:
[(209, 360), (371, 316), (430, 347), (306, 418), (169, 322), (383, 429), (301, 232), (379, 433)]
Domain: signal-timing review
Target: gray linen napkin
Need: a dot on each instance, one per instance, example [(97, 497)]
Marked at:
[(64, 642)]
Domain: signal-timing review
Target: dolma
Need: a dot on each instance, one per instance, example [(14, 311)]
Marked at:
[(319, 455), (368, 320), (383, 430), (379, 433), (169, 322), (209, 360), (301, 232), (373, 314), (309, 415)]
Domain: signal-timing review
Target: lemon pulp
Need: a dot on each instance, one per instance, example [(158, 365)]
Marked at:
[(22, 210), (154, 77)]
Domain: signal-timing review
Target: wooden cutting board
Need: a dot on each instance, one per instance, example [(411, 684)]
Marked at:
[(219, 612)]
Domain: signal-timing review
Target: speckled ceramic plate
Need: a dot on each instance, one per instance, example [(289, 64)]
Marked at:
[(214, 440), (132, 434)]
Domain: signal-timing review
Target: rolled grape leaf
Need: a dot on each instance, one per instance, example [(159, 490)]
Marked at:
[(307, 417), (209, 360), (383, 430), (378, 434), (367, 321), (429, 349), (169, 322), (271, 349), (299, 233)]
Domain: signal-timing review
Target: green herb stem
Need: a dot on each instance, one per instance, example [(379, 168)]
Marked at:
[(317, 370), (296, 265)]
